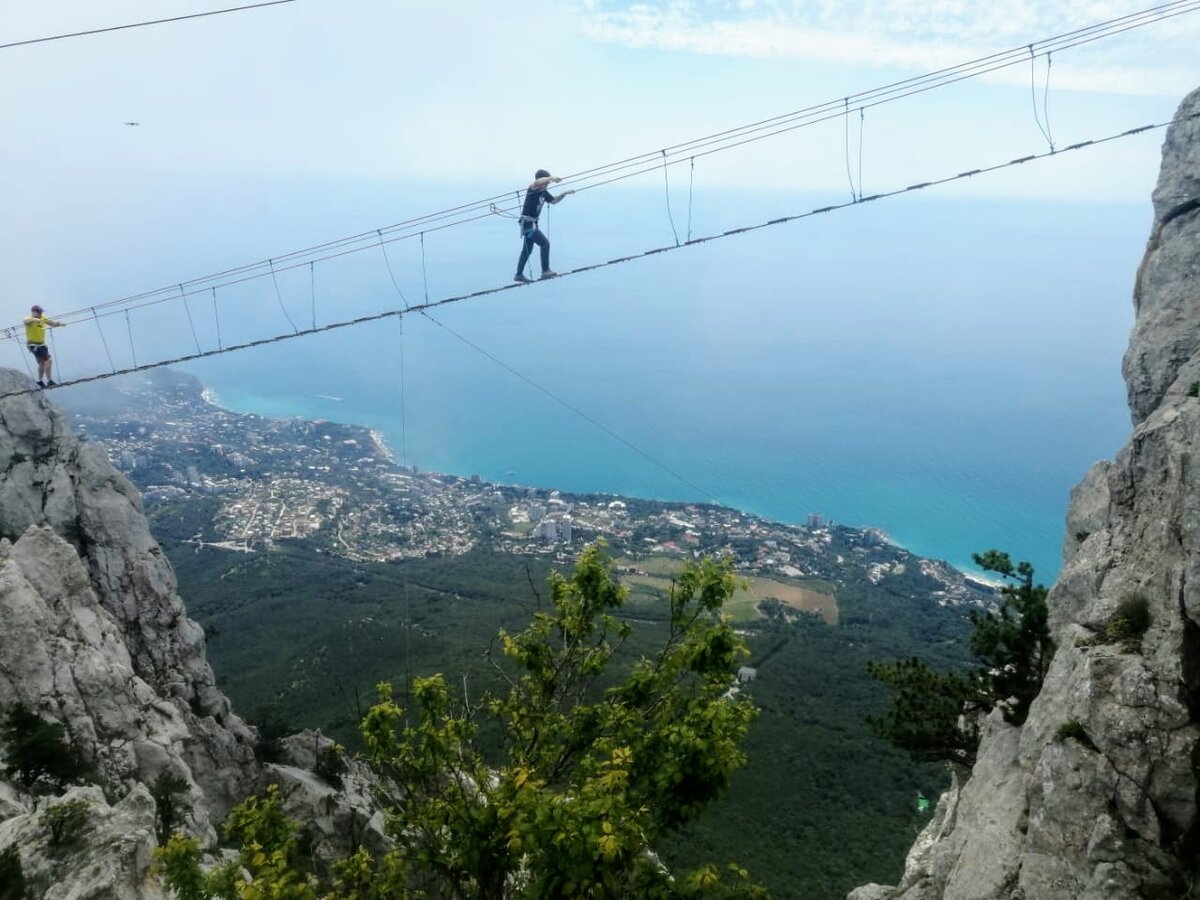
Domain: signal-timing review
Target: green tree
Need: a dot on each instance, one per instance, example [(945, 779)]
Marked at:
[(596, 768), (12, 877), (936, 715), (269, 863), (170, 803), (67, 823), (1013, 643), (931, 714), (38, 752)]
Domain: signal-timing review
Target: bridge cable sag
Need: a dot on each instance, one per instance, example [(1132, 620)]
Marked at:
[(372, 317)]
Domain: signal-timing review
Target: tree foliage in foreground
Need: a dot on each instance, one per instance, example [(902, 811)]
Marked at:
[(936, 715), (591, 776)]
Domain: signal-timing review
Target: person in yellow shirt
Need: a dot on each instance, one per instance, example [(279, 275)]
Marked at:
[(36, 324)]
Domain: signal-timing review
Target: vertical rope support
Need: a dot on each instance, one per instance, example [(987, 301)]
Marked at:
[(24, 351), (312, 291), (129, 328), (54, 353), (1033, 95), (849, 176), (424, 274), (191, 324), (1046, 104), (217, 318), (691, 183), (387, 261), (667, 189), (279, 297), (104, 342), (862, 115)]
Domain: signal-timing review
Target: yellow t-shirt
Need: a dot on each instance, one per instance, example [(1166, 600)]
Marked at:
[(35, 328)]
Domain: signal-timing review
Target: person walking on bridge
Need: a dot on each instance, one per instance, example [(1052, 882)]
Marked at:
[(36, 324), (535, 196)]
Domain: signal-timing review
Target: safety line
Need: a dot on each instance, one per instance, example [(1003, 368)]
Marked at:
[(403, 568), (484, 292), (575, 409), (201, 15), (643, 163)]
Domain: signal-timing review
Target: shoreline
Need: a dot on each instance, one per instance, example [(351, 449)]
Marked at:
[(380, 444)]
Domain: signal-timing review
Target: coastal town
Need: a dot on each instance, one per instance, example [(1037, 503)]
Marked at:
[(336, 488)]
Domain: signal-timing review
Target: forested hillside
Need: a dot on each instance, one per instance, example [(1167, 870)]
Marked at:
[(820, 805)]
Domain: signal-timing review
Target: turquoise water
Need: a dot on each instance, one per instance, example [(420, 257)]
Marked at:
[(943, 370)]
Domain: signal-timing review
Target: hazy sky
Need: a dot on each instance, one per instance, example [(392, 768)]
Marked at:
[(269, 129)]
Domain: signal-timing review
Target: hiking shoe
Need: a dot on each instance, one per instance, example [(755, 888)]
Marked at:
[(41, 384), (549, 274), (520, 276), (51, 383)]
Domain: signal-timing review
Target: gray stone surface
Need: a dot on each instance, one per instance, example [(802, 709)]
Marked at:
[(1112, 814), (111, 862), (95, 637)]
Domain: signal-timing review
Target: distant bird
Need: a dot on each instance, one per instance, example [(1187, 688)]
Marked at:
[(133, 123)]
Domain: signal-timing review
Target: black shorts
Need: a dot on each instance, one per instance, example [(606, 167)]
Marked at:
[(39, 351)]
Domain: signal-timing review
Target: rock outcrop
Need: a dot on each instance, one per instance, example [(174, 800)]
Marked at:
[(94, 636), (1094, 797)]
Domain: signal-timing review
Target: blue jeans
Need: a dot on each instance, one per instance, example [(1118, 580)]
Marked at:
[(533, 235)]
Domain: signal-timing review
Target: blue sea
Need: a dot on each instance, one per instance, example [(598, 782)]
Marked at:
[(944, 369)]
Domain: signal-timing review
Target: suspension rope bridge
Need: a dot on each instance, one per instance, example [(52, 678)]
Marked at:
[(508, 203), (446, 301)]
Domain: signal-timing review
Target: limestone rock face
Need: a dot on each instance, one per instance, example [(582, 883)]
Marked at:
[(111, 860), (95, 634), (1106, 809)]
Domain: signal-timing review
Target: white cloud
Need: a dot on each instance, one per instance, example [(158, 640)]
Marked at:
[(918, 35)]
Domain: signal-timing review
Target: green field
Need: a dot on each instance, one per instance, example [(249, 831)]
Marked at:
[(648, 592)]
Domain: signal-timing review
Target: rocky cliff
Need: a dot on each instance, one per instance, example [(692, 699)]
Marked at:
[(1095, 796), (93, 636)]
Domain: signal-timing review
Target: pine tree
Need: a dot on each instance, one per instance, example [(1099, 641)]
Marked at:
[(936, 715)]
